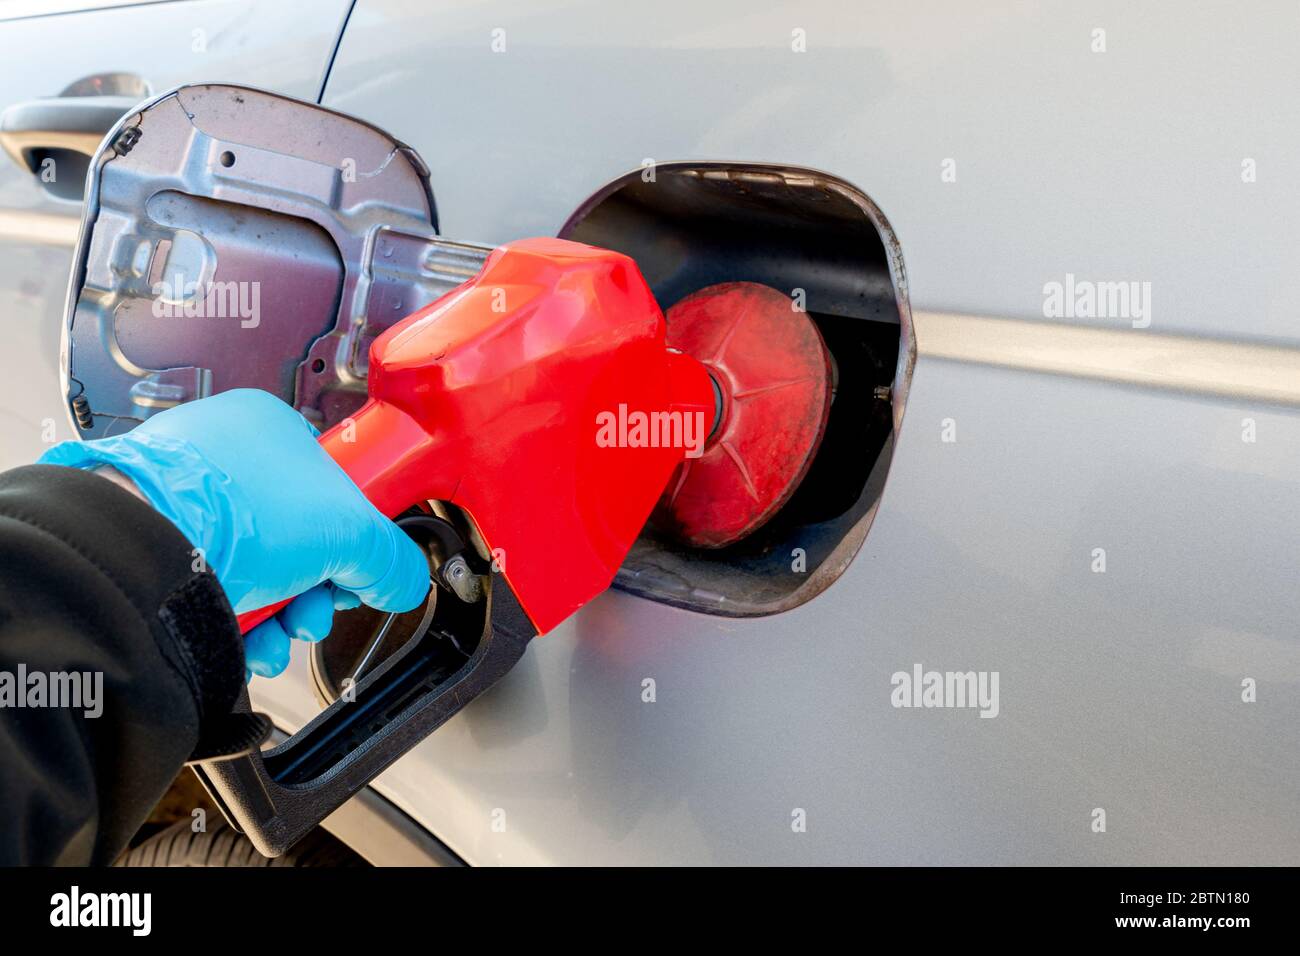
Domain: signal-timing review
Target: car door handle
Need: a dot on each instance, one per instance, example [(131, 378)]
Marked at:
[(76, 123)]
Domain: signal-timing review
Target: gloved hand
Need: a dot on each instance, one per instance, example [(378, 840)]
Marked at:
[(242, 476)]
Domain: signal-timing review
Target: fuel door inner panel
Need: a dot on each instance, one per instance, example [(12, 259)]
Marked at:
[(310, 229)]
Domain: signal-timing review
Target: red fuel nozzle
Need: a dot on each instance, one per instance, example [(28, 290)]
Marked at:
[(541, 398)]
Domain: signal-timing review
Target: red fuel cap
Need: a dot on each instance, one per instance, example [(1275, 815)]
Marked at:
[(773, 373)]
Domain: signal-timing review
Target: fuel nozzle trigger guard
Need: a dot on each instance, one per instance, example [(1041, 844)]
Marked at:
[(449, 569), (275, 797)]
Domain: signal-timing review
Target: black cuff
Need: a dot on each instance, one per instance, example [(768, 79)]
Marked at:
[(152, 564)]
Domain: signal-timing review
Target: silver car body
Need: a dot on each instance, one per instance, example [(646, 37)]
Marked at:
[(1101, 508)]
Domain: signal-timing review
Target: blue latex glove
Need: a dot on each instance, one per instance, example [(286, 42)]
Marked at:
[(242, 476)]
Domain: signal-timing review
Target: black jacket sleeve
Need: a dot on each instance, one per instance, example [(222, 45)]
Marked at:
[(116, 657)]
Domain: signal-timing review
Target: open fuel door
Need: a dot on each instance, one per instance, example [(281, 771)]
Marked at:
[(238, 239)]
